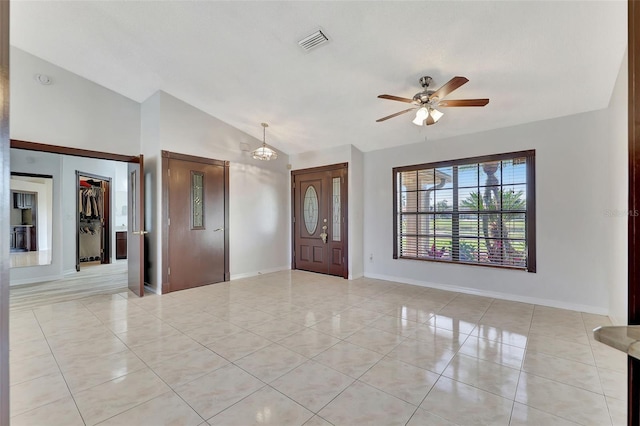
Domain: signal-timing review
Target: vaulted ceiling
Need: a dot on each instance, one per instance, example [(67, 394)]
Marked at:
[(240, 61)]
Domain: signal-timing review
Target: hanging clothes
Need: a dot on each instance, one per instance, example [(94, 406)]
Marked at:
[(91, 202)]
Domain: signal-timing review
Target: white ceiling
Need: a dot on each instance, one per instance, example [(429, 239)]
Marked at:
[(240, 62)]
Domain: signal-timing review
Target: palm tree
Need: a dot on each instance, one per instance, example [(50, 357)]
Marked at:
[(511, 200), (494, 227)]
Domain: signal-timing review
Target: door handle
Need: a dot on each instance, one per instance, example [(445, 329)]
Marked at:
[(324, 234), (219, 229), (140, 232)]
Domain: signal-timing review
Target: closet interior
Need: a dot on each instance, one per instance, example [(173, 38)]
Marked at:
[(93, 219)]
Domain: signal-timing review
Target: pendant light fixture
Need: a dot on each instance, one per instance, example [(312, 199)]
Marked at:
[(264, 152)]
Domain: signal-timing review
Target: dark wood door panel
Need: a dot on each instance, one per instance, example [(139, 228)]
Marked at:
[(336, 258), (308, 225), (305, 253), (121, 245), (318, 255), (319, 235), (197, 228)]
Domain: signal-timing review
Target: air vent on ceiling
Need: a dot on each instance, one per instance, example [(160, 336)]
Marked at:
[(313, 40)]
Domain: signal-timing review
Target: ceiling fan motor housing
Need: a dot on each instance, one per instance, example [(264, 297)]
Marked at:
[(422, 98), (425, 81)]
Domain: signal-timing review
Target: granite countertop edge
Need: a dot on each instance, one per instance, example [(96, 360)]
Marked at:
[(625, 338)]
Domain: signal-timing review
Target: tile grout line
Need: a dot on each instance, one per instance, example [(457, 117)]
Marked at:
[(368, 324), (60, 369)]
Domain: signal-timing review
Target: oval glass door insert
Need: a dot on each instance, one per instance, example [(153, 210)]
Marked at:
[(311, 210)]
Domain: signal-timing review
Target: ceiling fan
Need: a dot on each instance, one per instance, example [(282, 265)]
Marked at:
[(426, 101)]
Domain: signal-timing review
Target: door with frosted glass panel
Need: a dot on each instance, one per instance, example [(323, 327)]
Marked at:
[(319, 220), (197, 249)]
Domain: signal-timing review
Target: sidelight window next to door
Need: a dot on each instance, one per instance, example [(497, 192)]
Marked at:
[(320, 220)]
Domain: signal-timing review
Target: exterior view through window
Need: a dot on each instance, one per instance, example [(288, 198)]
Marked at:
[(475, 211)]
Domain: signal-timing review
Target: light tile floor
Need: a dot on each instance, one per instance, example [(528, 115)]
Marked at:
[(294, 348)]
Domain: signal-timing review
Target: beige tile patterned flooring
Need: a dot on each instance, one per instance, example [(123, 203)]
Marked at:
[(295, 348)]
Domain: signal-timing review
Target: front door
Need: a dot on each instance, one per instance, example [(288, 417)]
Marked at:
[(197, 221), (319, 220), (135, 226)]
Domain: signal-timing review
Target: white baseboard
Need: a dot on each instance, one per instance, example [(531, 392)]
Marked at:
[(261, 272), (69, 272), (618, 321), (356, 276), (496, 295)]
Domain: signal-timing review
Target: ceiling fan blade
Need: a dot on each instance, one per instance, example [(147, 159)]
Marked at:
[(394, 115), (463, 103), (396, 98), (449, 87)]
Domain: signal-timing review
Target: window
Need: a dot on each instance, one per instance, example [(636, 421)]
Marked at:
[(474, 211), (197, 200)]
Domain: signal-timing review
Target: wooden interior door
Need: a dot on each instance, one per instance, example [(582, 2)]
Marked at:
[(135, 227), (197, 222), (319, 220)]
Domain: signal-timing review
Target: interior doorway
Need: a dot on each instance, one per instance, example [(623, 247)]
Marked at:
[(196, 218), (98, 220), (320, 229), (93, 213)]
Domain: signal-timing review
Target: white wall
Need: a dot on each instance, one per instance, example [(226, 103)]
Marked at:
[(259, 219), (323, 157), (46, 164), (571, 228), (72, 111), (354, 157), (617, 195), (120, 192), (356, 213)]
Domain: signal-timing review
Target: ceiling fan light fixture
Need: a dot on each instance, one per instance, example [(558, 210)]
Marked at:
[(264, 153), (435, 114), (421, 115), (427, 99)]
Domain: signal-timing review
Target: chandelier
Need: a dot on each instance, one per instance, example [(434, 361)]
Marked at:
[(264, 152)]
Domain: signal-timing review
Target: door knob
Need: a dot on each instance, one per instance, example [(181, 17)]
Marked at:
[(219, 229), (140, 232), (324, 234)]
